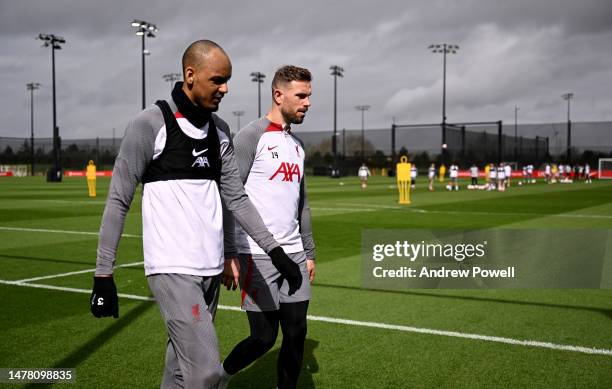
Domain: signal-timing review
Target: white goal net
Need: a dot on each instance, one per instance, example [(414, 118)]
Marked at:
[(15, 170), (604, 171)]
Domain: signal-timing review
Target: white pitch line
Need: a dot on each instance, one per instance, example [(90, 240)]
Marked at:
[(380, 206), (61, 231), (71, 273), (454, 334), (356, 323), (410, 209), (344, 209), (93, 202), (74, 290), (561, 215)]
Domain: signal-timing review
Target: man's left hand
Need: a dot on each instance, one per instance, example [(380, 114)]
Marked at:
[(231, 273)]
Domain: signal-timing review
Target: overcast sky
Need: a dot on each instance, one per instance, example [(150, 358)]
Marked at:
[(520, 52)]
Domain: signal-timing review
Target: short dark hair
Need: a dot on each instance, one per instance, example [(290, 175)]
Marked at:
[(288, 73), (194, 53)]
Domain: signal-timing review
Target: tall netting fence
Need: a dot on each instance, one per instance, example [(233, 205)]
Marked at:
[(75, 153), (482, 143), (379, 148)]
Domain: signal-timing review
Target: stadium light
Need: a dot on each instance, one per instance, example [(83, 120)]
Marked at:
[(444, 48), (362, 108), (568, 97), (171, 77), (238, 114), (516, 109), (55, 43), (258, 78), (149, 30), (32, 86), (337, 71)]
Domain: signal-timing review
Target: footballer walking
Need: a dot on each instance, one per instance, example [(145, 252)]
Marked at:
[(182, 153), (271, 162)]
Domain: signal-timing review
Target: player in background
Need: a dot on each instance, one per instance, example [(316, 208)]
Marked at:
[(363, 175), (530, 178), (577, 172), (555, 173), (271, 163), (431, 175), (492, 177), (501, 178), (441, 172), (91, 178), (587, 173), (547, 173), (508, 174), (568, 172), (474, 174), (454, 176), (487, 169), (413, 176)]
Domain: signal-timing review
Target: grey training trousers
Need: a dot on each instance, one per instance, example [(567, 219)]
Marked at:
[(188, 304)]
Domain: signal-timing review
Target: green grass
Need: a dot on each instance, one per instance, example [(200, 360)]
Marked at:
[(52, 328)]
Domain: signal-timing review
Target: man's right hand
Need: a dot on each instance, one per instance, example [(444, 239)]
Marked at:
[(104, 301), (287, 268)]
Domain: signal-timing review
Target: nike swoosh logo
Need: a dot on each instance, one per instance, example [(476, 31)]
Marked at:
[(272, 148), (196, 153)]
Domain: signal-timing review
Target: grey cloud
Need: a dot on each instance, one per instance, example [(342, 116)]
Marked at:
[(560, 45)]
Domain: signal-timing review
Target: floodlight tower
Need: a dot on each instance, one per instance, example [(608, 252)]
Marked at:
[(55, 42), (568, 96), (32, 86), (238, 114), (444, 48), (337, 71), (258, 77), (171, 77), (144, 29), (362, 108), (516, 109)]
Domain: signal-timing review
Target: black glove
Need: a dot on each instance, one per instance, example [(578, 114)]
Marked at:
[(287, 268), (104, 301)]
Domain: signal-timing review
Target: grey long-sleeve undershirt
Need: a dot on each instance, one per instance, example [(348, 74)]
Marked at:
[(135, 154)]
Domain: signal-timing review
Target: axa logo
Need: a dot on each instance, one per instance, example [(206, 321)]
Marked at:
[(288, 170), (200, 161)]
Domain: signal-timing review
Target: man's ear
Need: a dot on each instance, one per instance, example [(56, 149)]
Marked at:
[(189, 76), (277, 95)]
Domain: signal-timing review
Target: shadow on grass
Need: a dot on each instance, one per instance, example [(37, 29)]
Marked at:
[(603, 311), (262, 373), (92, 264), (52, 260), (75, 358)]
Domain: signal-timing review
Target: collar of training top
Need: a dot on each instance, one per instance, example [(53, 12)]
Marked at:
[(278, 127), (196, 115)]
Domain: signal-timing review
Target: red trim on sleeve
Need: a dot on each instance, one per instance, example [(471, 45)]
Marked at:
[(178, 115)]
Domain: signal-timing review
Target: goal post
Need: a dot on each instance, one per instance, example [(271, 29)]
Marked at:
[(604, 170)]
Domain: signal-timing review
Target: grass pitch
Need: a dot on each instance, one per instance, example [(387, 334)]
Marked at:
[(357, 338)]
